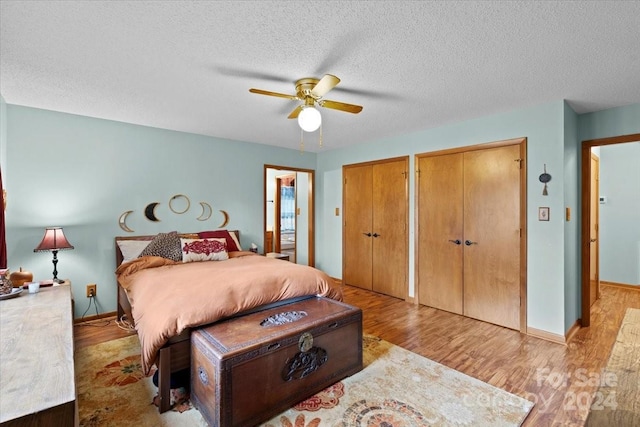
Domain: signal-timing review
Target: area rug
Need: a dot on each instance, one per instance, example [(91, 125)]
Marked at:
[(617, 401), (396, 388)]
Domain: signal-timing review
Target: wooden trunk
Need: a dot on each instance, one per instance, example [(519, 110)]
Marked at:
[(248, 369)]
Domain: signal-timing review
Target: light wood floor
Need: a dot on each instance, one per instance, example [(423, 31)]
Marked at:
[(559, 379)]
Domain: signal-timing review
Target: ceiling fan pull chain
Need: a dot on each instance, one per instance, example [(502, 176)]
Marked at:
[(320, 137), (301, 142)]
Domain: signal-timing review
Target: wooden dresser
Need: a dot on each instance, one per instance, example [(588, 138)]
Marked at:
[(37, 377)]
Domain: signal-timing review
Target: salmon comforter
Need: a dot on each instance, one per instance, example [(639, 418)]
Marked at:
[(168, 297)]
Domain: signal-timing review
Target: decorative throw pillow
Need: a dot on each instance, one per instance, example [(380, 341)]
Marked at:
[(165, 245), (204, 250), (232, 241), (131, 249)]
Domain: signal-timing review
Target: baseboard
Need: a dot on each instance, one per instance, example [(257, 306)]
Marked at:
[(568, 336), (548, 336), (621, 285), (95, 317)]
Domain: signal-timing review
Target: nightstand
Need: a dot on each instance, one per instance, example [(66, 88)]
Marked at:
[(37, 383), (67, 282), (276, 255)]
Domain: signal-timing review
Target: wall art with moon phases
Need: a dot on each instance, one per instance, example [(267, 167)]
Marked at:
[(149, 212), (178, 204)]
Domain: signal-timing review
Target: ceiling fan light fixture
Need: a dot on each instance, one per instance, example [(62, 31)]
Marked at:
[(309, 119)]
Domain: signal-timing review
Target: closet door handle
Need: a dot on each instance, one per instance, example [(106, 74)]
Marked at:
[(376, 235), (469, 243), (367, 234), (457, 241)]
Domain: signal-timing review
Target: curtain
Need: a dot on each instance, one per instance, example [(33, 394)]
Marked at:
[(287, 208), (3, 241)]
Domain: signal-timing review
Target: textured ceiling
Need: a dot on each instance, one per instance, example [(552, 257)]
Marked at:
[(188, 65)]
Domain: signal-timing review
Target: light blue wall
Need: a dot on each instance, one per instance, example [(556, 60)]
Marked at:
[(543, 125), (612, 122), (572, 273), (82, 173), (607, 123), (620, 215), (554, 135)]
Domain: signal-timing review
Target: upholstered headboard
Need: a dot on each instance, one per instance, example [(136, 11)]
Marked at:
[(120, 256)]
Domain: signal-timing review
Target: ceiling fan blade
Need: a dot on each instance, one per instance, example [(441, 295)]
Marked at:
[(326, 83), (266, 92), (349, 108), (294, 113)]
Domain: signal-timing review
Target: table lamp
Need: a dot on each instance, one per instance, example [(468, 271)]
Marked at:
[(54, 241)]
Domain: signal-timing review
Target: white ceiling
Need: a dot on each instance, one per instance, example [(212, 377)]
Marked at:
[(188, 65)]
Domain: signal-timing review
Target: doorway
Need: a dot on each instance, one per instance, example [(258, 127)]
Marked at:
[(288, 219), (587, 242)]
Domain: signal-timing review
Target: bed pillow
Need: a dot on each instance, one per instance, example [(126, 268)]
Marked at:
[(165, 245), (204, 249), (131, 249), (232, 241)]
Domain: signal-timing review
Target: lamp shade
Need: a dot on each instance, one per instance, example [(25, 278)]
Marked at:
[(309, 119), (53, 240)]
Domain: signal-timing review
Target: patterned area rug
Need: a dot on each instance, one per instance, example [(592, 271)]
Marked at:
[(396, 388), (617, 401)]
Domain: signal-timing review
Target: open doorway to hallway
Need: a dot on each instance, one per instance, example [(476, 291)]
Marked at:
[(592, 226), (289, 213)]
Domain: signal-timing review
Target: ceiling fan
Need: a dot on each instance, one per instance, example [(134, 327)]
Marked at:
[(311, 91)]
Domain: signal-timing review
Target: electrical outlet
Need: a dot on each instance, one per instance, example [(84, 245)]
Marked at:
[(92, 290)]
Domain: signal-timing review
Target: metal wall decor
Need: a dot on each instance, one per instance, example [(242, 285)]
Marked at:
[(179, 197), (226, 219), (206, 211), (178, 204), (545, 178), (122, 221), (149, 212)]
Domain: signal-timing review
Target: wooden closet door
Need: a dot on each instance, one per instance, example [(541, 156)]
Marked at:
[(440, 226), (492, 226), (390, 238), (357, 246)]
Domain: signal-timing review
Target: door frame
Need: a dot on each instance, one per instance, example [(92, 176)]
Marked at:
[(585, 215), (595, 158), (522, 142), (311, 198), (277, 213)]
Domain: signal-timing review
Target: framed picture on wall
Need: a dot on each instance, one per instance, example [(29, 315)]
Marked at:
[(543, 214)]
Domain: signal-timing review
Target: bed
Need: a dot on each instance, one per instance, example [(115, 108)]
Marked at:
[(165, 298)]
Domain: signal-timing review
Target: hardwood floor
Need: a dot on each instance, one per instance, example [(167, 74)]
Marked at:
[(97, 331), (559, 379)]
